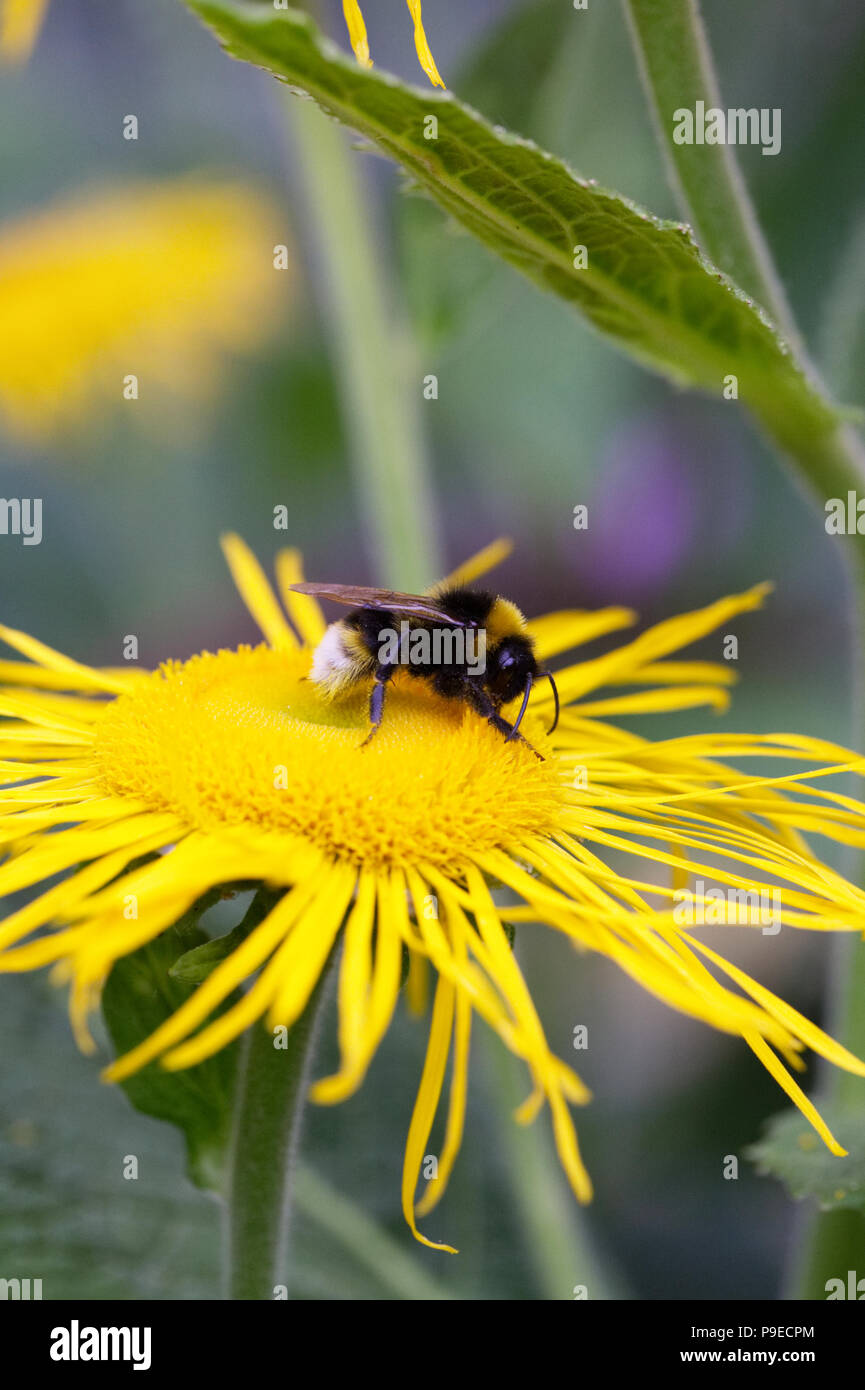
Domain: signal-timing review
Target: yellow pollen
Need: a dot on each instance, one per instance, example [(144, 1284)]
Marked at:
[(242, 738)]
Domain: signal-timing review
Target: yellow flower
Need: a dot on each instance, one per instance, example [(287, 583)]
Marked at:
[(155, 281), (20, 22), (359, 42), (233, 768)]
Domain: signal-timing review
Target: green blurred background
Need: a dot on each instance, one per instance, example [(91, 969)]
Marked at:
[(534, 415)]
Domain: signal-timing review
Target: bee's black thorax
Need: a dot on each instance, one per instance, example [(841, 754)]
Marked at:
[(509, 659)]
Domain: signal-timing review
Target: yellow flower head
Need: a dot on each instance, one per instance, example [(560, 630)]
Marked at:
[(155, 281), (359, 42), (232, 768), (20, 22)]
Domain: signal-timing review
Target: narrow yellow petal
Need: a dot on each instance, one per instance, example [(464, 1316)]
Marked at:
[(368, 991), (23, 706), (285, 984), (656, 701), (471, 569), (426, 1104), (83, 999), (417, 984), (456, 1106), (230, 973), (679, 673), (23, 673), (658, 641), (304, 955), (52, 905), (69, 847), (425, 57), (568, 1149), (357, 32), (352, 997), (304, 610), (256, 593), (82, 677), (569, 628), (44, 951), (461, 972), (796, 1094), (810, 1034)]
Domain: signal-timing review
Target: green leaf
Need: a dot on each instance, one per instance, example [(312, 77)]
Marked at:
[(791, 1151), (646, 284), (195, 965), (140, 993)]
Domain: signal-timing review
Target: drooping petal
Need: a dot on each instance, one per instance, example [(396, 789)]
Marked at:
[(425, 57), (426, 1104), (357, 32)]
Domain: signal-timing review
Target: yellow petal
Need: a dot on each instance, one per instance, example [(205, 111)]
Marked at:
[(82, 677), (426, 1104), (425, 57), (256, 592), (303, 609), (485, 560), (357, 32)]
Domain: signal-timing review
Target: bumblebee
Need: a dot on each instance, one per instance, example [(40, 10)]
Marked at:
[(468, 645)]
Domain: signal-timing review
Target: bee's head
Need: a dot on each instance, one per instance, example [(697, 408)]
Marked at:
[(509, 667)]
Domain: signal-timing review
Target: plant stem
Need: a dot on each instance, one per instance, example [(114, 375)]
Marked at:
[(373, 1248), (829, 1245), (380, 381), (556, 1238), (271, 1092), (677, 69)]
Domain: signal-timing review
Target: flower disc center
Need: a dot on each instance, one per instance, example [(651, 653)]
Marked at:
[(244, 738)]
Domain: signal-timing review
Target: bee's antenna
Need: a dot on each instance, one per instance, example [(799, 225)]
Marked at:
[(526, 693), (549, 676)]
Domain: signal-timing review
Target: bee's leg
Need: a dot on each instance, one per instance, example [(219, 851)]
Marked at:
[(376, 701), (484, 705)]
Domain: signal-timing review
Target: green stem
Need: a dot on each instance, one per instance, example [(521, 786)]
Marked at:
[(272, 1083), (828, 1247), (677, 69), (832, 1242), (373, 1248), (556, 1237), (381, 383)]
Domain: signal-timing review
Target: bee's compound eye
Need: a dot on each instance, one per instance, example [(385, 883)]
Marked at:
[(506, 659)]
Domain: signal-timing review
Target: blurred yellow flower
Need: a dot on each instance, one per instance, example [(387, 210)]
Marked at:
[(127, 291), (234, 769), (359, 42), (20, 22)]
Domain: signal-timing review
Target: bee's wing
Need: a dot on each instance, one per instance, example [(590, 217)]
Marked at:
[(416, 605)]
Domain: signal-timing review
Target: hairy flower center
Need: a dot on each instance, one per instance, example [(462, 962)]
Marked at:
[(243, 738)]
